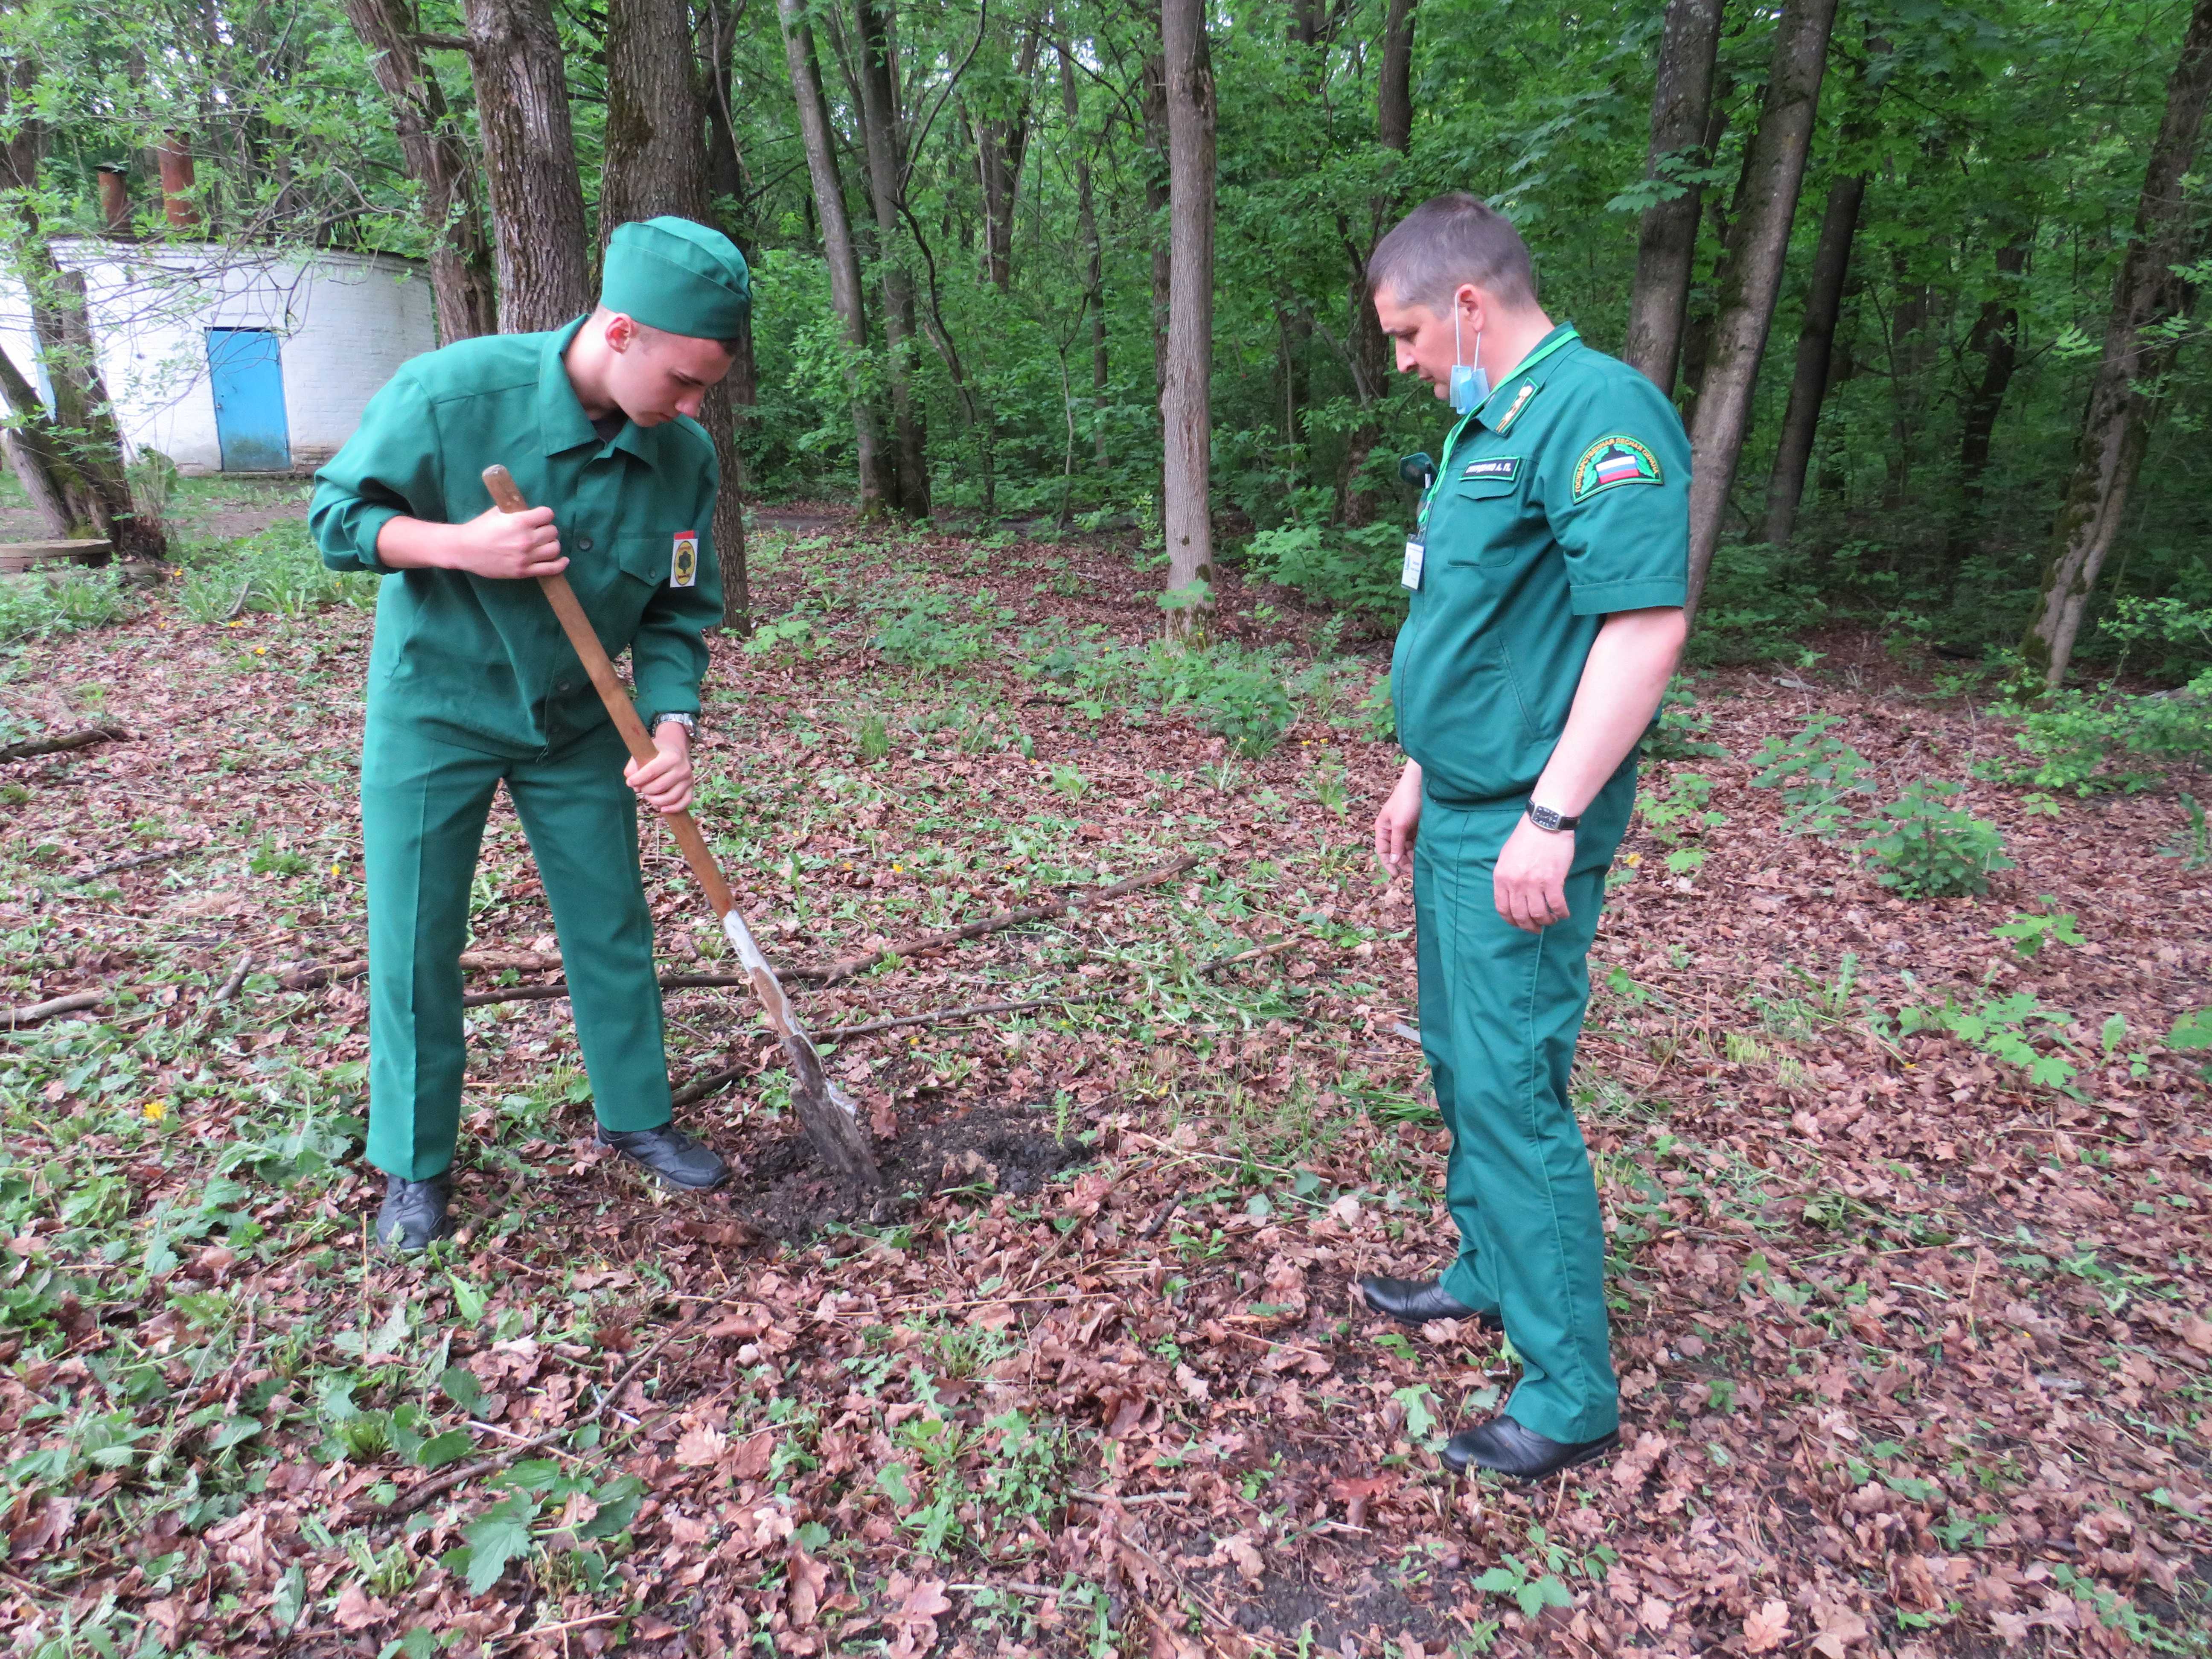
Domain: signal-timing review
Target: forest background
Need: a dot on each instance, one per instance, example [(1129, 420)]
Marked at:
[(1978, 227)]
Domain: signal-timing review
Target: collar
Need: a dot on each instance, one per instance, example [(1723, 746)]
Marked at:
[(562, 424), (1503, 406)]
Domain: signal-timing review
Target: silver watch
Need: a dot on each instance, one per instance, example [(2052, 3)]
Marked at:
[(688, 722)]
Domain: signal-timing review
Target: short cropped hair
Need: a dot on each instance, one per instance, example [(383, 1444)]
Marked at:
[(1449, 241), (648, 333)]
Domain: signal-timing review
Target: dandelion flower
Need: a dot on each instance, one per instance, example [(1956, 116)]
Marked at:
[(156, 1110)]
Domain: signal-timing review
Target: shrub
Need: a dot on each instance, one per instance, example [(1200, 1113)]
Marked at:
[(1931, 849), (1680, 730), (919, 630), (1814, 771), (1235, 693), (1352, 570), (2087, 741), (1756, 601)]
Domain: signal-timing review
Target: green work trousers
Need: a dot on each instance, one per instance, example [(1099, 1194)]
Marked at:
[(423, 802), (1500, 1011)]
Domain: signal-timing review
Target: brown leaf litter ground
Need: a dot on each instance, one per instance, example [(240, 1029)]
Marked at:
[(1915, 1350)]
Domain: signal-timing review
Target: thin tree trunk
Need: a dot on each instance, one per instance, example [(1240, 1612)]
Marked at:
[(530, 163), (1394, 131), (1002, 143), (2115, 427), (730, 190), (1094, 255), (39, 462), (1816, 344), (97, 481), (1666, 235), (437, 159), (1186, 417), (656, 163), (1153, 83), (1759, 243), (878, 487), (883, 160), (1995, 340)]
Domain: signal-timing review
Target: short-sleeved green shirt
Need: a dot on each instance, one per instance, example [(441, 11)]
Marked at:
[(484, 661), (1564, 498)]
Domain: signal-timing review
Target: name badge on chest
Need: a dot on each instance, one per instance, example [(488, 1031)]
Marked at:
[(684, 560), (1409, 573)]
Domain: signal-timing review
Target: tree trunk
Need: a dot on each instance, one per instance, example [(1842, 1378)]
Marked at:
[(1393, 130), (1153, 83), (1002, 143), (1816, 344), (437, 159), (878, 488), (730, 192), (1995, 340), (656, 163), (2115, 427), (530, 163), (1759, 243), (883, 160), (1094, 255), (1185, 417), (39, 461), (1666, 236), (95, 483)]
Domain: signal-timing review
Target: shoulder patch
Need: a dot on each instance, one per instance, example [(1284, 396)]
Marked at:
[(1513, 411), (1492, 466), (1611, 462)]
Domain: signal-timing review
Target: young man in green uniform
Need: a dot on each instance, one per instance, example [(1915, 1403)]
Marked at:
[(1547, 576), (471, 682)]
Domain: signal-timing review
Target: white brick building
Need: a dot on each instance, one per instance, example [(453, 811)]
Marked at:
[(227, 359)]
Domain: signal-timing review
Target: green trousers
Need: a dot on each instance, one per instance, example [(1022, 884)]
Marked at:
[(1500, 1011), (423, 802)]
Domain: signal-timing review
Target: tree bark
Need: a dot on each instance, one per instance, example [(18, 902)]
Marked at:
[(1994, 339), (530, 163), (1002, 144), (1816, 344), (2115, 427), (1185, 417), (1094, 254), (1394, 131), (1759, 243), (1153, 100), (883, 160), (36, 457), (656, 162), (878, 487), (1667, 234), (436, 159)]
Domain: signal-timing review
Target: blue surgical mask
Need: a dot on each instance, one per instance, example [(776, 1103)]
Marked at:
[(1470, 382)]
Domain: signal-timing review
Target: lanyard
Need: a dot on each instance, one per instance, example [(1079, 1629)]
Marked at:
[(1566, 336)]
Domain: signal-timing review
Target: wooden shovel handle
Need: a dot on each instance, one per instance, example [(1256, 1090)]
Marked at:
[(582, 635)]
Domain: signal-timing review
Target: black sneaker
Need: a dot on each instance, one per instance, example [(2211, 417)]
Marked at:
[(1503, 1445), (678, 1158)]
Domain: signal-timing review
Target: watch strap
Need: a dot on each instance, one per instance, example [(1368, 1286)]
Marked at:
[(1544, 819)]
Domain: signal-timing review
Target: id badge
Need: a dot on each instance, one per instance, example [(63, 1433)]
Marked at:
[(1409, 573)]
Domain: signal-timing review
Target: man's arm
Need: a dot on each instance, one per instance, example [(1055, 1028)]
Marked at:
[(507, 546), (1630, 663)]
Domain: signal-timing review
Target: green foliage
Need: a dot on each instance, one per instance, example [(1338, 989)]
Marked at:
[(277, 571), (1680, 730), (769, 638), (2030, 932), (1925, 847), (918, 629), (1683, 811), (1816, 773), (1354, 570), (2005, 1028), (1757, 601), (1530, 1588), (2193, 846), (2091, 740), (1232, 691), (35, 605)]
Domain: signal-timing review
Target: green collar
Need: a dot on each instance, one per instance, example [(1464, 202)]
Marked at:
[(1503, 406), (562, 424)]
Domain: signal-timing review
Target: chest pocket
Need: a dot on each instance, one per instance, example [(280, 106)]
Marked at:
[(645, 558), (1485, 508)]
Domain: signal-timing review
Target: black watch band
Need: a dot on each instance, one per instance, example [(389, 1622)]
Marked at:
[(1544, 819)]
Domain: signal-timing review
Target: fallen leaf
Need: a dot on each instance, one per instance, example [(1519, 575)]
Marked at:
[(1765, 1629), (701, 1448), (1239, 1550)]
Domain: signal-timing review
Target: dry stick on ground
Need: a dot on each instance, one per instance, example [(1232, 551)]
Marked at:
[(415, 1497), (68, 740), (31, 1012)]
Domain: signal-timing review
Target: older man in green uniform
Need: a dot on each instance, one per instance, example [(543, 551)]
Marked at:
[(1547, 577), (471, 682)]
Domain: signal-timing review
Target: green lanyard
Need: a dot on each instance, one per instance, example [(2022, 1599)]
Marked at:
[(1428, 496)]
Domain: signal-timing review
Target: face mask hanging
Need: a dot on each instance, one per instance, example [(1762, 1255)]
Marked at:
[(1470, 382)]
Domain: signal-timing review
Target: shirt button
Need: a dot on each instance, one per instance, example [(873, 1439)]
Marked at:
[(585, 543)]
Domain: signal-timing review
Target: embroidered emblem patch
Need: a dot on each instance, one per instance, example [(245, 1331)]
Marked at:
[(1493, 467), (684, 561), (1513, 410), (1613, 461)]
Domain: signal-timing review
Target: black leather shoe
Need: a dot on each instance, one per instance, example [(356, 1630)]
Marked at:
[(1503, 1445), (670, 1153), (414, 1213), (1417, 1300)]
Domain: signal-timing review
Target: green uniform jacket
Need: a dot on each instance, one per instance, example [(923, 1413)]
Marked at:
[(1564, 498), (483, 662)]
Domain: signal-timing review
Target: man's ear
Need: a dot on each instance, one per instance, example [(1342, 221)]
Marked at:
[(621, 331)]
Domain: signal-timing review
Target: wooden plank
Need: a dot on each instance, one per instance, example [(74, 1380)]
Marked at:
[(18, 557)]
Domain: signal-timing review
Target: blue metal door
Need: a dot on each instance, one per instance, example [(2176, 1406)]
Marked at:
[(249, 400)]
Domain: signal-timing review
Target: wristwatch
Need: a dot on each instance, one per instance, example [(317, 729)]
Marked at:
[(1544, 819), (688, 722)]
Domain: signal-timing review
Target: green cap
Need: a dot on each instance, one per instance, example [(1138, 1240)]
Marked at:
[(673, 274)]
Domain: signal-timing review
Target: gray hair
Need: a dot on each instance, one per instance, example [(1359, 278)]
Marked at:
[(1449, 241)]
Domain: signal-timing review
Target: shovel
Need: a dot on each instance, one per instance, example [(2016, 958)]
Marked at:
[(832, 1121)]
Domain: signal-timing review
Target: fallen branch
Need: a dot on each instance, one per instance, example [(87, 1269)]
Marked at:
[(83, 739), (1063, 904), (1273, 947), (31, 1013), (138, 860)]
